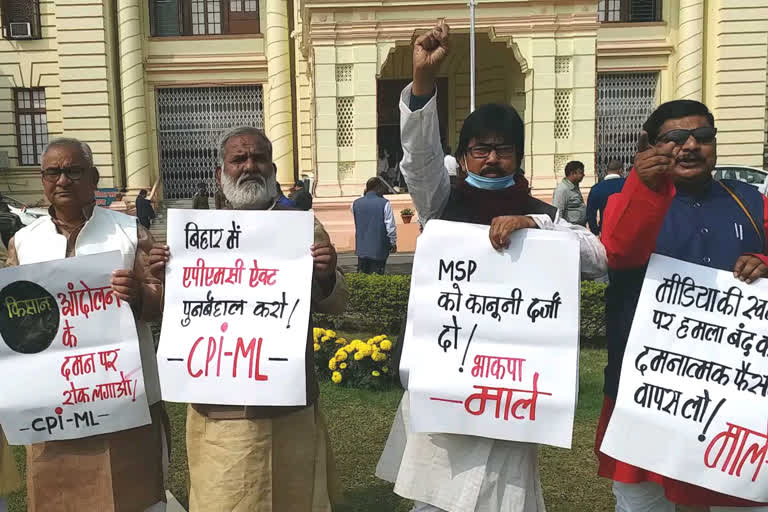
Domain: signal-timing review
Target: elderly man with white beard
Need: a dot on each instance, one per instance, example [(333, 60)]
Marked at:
[(266, 459)]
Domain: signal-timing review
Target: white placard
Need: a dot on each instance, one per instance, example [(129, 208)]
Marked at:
[(693, 396), (69, 355), (237, 292), (494, 335)]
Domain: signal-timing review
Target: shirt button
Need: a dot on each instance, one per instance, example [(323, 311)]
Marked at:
[(697, 204), (705, 230), (706, 259)]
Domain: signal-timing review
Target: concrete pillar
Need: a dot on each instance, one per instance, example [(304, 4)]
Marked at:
[(279, 113), (133, 108), (690, 53)]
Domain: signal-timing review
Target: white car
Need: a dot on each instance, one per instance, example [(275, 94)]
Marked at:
[(752, 175)]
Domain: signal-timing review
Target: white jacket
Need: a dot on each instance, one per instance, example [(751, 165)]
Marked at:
[(105, 231)]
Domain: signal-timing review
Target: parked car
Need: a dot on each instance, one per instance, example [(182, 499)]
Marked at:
[(752, 175)]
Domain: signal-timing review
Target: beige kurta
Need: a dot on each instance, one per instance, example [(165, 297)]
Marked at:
[(281, 464), (273, 460), (120, 471)]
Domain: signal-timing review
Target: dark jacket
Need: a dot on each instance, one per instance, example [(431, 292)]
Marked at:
[(598, 198), (144, 208), (371, 240)]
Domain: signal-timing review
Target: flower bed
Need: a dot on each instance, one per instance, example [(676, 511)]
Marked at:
[(357, 363)]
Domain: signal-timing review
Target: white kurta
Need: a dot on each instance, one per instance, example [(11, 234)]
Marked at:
[(454, 472)]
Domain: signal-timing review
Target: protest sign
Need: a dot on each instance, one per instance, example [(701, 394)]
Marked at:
[(694, 380), (69, 354), (495, 334), (237, 292)]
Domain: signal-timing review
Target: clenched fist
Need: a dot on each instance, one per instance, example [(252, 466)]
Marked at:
[(429, 51)]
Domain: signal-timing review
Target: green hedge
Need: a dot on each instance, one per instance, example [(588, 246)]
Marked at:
[(378, 304)]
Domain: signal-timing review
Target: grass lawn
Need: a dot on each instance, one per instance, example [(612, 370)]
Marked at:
[(359, 424)]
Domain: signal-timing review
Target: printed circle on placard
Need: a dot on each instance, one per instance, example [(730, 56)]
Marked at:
[(29, 317)]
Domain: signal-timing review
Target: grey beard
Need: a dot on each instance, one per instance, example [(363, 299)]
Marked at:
[(249, 195)]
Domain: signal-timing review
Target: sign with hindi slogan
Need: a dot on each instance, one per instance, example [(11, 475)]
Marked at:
[(69, 354), (495, 335), (237, 301), (693, 396)]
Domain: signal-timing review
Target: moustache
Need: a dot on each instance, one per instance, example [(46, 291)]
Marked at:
[(491, 170), (252, 178)]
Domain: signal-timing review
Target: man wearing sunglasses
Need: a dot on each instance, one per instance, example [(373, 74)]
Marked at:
[(110, 464), (671, 205), (490, 189)]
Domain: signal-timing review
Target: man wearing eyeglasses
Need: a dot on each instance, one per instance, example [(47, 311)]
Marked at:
[(671, 205), (121, 470), (490, 189)]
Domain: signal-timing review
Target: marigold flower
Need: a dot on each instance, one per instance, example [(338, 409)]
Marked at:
[(341, 355), (359, 356), (343, 366), (332, 363), (375, 373), (325, 338), (316, 347), (336, 377), (386, 345)]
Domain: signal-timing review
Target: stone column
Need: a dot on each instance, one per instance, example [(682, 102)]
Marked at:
[(133, 109), (690, 52), (279, 121)]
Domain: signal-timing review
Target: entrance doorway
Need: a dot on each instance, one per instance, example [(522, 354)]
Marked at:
[(390, 150)]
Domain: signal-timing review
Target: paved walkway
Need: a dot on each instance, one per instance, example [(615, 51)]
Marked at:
[(398, 263)]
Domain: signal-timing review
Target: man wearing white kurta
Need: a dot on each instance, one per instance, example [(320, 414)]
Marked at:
[(121, 470), (448, 472)]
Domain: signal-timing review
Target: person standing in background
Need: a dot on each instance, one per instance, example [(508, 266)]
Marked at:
[(599, 194), (451, 165), (567, 196), (375, 230), (144, 210), (200, 199), (301, 197)]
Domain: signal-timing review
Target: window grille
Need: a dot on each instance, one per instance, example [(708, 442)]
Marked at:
[(21, 12), (624, 102), (190, 122), (31, 124), (343, 72), (346, 170), (562, 64), (345, 128), (562, 113)]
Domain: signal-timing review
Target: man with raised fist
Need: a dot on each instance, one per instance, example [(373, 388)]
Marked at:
[(671, 205), (498, 476)]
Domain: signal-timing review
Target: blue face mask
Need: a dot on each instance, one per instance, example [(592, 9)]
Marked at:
[(477, 181)]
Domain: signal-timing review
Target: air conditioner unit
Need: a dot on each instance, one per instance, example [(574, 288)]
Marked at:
[(20, 30)]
